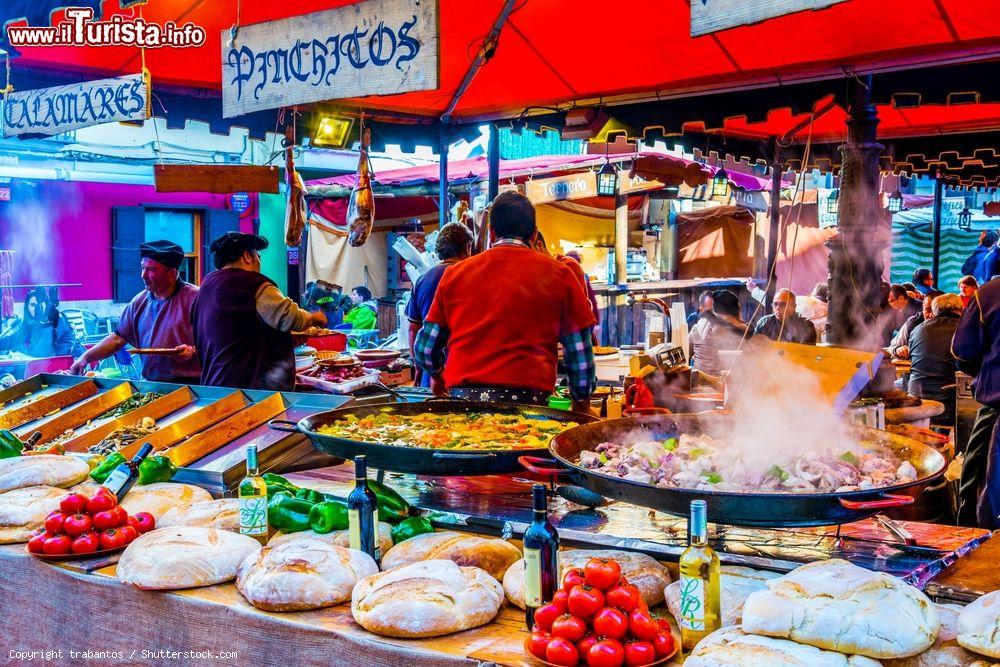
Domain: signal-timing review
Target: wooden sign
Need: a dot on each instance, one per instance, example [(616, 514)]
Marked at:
[(709, 16), (64, 108), (218, 178), (561, 188), (628, 185), (752, 200), (377, 47)]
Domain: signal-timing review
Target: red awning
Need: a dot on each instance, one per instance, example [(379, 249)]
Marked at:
[(554, 52)]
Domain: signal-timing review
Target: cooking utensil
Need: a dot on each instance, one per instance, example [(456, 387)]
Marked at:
[(422, 460), (743, 509)]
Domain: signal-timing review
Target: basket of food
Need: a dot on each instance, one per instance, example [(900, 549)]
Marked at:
[(321, 339)]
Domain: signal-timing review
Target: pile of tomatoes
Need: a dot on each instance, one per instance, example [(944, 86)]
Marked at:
[(598, 619), (84, 525)]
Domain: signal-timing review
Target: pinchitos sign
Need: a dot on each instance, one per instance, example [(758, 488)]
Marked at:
[(378, 47)]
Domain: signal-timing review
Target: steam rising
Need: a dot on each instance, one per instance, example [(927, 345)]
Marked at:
[(28, 227)]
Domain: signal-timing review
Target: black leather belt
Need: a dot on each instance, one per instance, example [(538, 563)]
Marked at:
[(501, 395)]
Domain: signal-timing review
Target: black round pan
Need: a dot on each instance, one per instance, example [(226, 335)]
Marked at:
[(421, 460), (745, 509)]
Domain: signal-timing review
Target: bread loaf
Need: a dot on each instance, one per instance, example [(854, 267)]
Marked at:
[(946, 651), (160, 497), (184, 557), (645, 572), (736, 584), (731, 647), (23, 511), (339, 538), (222, 514), (302, 574), (488, 553), (426, 599), (19, 472), (841, 607), (979, 625)]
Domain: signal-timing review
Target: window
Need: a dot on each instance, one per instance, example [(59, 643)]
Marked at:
[(183, 227)]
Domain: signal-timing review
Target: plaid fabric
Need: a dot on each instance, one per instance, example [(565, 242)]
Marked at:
[(579, 359), (429, 348)]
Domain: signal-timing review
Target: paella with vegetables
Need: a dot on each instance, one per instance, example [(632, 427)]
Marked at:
[(482, 431)]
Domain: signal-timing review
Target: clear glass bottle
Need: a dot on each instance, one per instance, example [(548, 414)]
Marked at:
[(252, 493), (699, 579), (541, 557)]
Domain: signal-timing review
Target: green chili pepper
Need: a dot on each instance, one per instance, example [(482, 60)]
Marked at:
[(391, 506), (310, 495), (107, 466), (10, 445), (328, 515), (407, 528), (277, 483), (156, 469), (287, 513)]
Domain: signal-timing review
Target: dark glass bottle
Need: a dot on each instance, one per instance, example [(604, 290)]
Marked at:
[(362, 512), (125, 475), (541, 557)]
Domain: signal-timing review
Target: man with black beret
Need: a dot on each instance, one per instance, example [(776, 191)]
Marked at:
[(159, 317)]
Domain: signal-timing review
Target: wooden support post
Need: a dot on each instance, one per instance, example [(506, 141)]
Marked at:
[(443, 175), (493, 162), (621, 239)]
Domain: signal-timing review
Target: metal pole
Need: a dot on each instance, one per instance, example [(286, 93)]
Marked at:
[(493, 162), (775, 228), (938, 199), (621, 239), (443, 174)]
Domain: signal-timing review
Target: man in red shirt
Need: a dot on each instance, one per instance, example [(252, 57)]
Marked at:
[(501, 315)]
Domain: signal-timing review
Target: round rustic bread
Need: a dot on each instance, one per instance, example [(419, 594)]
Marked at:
[(979, 625), (302, 574), (223, 514), (643, 571), (488, 553), (23, 511), (339, 538), (946, 651), (184, 557), (838, 606), (160, 497), (736, 584), (731, 647), (19, 472), (426, 599)]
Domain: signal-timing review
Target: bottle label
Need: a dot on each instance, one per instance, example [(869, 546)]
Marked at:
[(692, 603), (253, 515), (116, 480), (532, 577), (354, 531)]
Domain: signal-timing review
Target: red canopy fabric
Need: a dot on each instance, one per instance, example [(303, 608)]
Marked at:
[(715, 242), (554, 52)]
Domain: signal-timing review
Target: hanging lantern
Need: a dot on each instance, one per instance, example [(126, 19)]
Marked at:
[(895, 202), (607, 180), (720, 183), (832, 200), (965, 219)]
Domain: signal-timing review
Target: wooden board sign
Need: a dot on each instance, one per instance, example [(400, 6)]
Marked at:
[(709, 16), (630, 185), (752, 200), (377, 47), (63, 108), (562, 188), (217, 178)]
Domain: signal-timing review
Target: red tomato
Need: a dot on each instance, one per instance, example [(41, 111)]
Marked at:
[(146, 522), (573, 577), (602, 573), (132, 521), (663, 644), (624, 596), (54, 522), (639, 653), (536, 642), (584, 601), (547, 613), (606, 653), (584, 645), (86, 543), (569, 627), (102, 501), (112, 538), (559, 599), (37, 541), (642, 626), (74, 503), (561, 652), (128, 533), (105, 519), (77, 524), (609, 622), (57, 545)]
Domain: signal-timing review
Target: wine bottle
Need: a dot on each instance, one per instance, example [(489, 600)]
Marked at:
[(699, 570), (252, 493), (125, 475), (362, 512), (541, 557)]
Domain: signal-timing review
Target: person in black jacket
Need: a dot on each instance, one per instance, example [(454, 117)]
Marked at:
[(784, 323), (981, 263), (932, 374)]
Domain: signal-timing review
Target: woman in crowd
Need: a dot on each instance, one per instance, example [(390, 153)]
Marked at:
[(44, 331)]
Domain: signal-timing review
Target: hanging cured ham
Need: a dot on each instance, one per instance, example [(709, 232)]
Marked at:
[(361, 205), (295, 211)]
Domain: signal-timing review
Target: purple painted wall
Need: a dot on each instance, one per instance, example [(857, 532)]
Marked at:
[(61, 231)]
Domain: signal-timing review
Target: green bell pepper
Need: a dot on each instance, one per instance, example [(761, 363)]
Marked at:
[(10, 445), (287, 513), (391, 506), (407, 528), (276, 483), (327, 516), (106, 467), (310, 495), (156, 469)]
